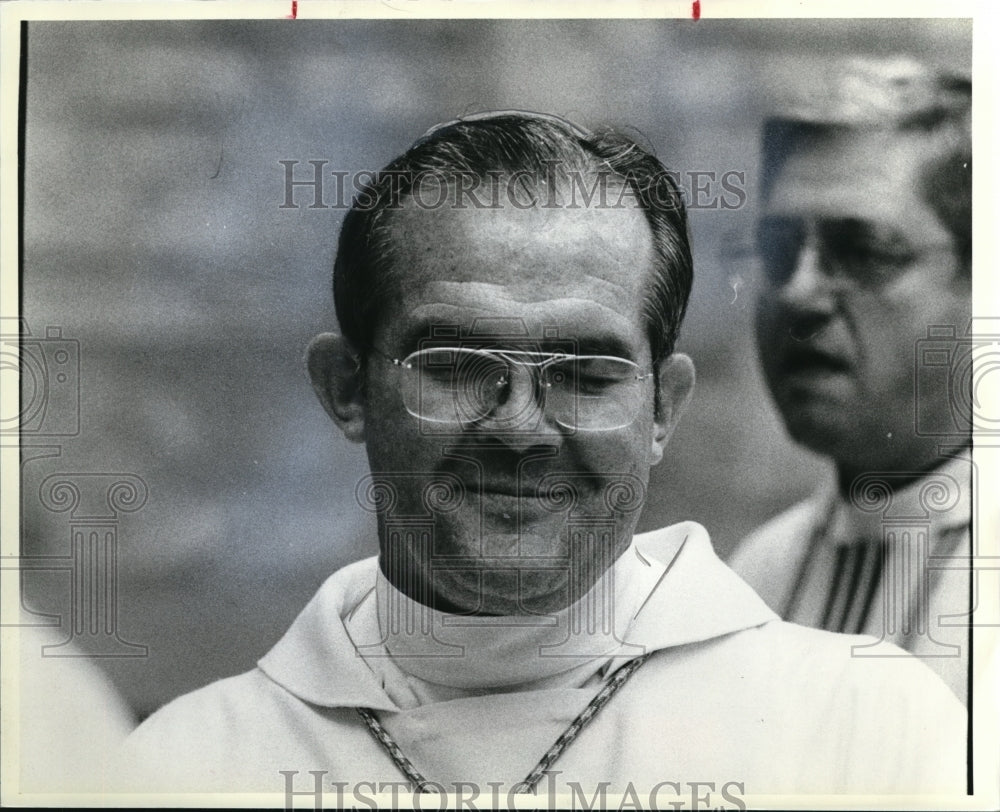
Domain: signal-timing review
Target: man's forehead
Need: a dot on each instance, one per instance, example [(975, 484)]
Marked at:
[(497, 312), (869, 175), (549, 246), (582, 273)]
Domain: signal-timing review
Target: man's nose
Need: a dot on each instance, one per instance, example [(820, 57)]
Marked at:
[(519, 418), (809, 289)]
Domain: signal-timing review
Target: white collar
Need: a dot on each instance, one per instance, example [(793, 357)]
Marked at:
[(941, 499), (480, 652), (698, 598)]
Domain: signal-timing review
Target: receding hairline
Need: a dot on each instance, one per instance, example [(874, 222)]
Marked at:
[(517, 145), (392, 234)]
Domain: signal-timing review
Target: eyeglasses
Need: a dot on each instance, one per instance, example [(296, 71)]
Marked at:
[(850, 250), (463, 386)]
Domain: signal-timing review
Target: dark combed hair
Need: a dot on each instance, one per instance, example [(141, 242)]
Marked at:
[(897, 95), (508, 145)]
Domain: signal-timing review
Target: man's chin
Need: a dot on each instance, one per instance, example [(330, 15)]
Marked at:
[(502, 586), (502, 528), (821, 430), (502, 548)]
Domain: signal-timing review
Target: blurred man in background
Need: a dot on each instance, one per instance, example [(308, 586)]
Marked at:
[(866, 245), (509, 293)]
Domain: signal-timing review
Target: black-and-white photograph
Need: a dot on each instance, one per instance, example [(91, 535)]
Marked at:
[(409, 404)]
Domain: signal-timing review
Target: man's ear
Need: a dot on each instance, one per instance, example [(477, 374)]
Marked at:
[(676, 376), (336, 374)]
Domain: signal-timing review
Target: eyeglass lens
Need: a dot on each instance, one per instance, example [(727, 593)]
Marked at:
[(851, 249), (463, 385)]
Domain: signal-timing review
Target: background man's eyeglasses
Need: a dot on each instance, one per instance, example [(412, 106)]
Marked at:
[(463, 386), (847, 250)]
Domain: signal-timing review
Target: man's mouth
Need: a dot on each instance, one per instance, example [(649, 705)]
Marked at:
[(806, 360), (510, 505), (497, 486), (515, 481)]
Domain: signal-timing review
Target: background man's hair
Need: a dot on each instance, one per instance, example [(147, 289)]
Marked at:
[(506, 146), (895, 95)]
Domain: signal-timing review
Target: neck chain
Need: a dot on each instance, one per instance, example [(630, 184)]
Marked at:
[(420, 783)]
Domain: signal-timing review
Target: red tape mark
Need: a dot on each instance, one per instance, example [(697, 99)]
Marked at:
[(695, 10), (295, 11)]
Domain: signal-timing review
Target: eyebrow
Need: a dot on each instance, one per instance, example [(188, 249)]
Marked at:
[(449, 333), (847, 226), (605, 344), (774, 222), (864, 229), (429, 330)]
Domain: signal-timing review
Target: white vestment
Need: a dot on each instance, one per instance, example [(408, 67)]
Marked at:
[(894, 566), (730, 694)]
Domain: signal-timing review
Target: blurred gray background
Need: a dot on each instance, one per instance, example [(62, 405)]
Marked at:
[(154, 237)]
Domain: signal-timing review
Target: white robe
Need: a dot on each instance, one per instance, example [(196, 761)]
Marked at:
[(919, 593), (731, 695)]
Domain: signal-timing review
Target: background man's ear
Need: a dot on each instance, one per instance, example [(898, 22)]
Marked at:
[(676, 374), (336, 378)]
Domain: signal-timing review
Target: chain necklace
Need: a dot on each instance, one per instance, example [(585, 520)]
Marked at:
[(420, 783)]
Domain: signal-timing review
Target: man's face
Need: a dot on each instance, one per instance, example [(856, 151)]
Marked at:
[(579, 273), (857, 266)]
